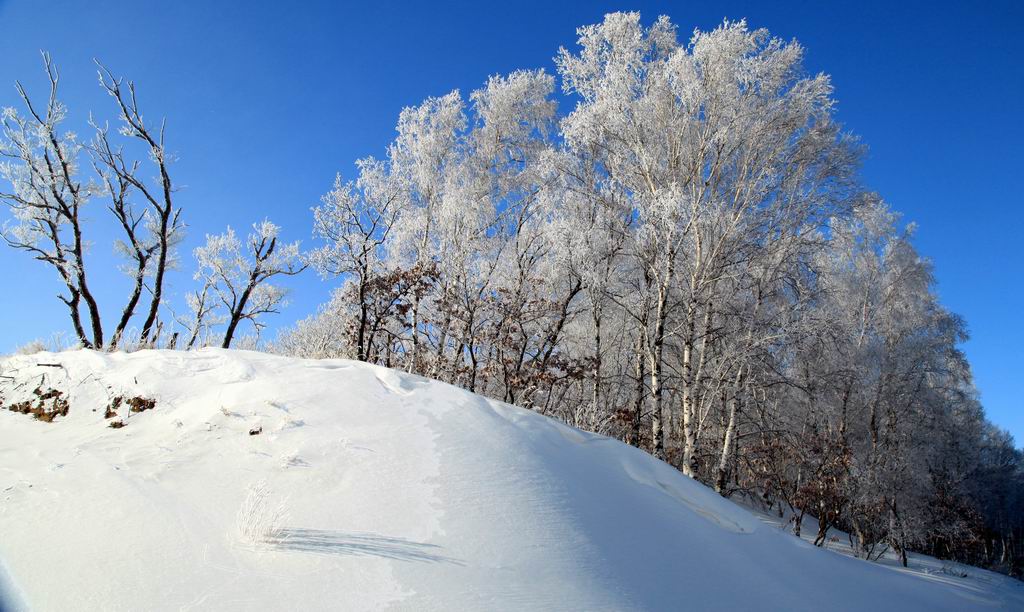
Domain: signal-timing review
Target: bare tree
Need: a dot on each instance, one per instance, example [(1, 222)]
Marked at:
[(43, 167), (163, 219), (204, 316), (239, 278), (47, 198)]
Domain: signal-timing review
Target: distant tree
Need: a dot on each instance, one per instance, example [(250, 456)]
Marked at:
[(237, 275), (324, 335), (203, 307), (356, 221)]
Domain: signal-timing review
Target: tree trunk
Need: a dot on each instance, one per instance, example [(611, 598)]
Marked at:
[(689, 466), (236, 312), (362, 354), (158, 281), (657, 380), (823, 526), (129, 308), (83, 287), (730, 435), (76, 317), (633, 435), (596, 399), (165, 221), (411, 365)]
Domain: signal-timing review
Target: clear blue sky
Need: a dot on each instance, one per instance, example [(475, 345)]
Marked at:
[(266, 101)]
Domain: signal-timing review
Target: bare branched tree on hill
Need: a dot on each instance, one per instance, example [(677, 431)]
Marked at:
[(47, 196), (48, 192), (161, 219), (237, 276)]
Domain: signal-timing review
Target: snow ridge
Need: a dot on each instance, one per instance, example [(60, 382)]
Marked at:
[(401, 492)]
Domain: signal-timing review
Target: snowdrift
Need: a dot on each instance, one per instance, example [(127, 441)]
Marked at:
[(380, 490)]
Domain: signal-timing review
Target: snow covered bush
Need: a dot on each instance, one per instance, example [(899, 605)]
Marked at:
[(30, 348), (57, 342), (260, 519)]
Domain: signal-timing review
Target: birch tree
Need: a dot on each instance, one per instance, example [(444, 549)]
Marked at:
[(706, 138), (356, 220), (689, 264)]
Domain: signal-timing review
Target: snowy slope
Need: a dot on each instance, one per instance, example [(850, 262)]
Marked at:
[(402, 493)]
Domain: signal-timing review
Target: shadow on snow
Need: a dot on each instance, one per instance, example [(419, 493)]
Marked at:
[(319, 541)]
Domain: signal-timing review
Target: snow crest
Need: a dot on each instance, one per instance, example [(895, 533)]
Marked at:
[(401, 493)]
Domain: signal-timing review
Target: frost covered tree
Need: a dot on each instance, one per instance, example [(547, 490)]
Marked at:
[(203, 307), (161, 219), (720, 144), (46, 168), (421, 236), (42, 165), (356, 220), (326, 334), (686, 260), (237, 274)]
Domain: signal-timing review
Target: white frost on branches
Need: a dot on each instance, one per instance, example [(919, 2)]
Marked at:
[(236, 275)]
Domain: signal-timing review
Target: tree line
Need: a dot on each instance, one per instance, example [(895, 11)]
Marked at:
[(686, 260)]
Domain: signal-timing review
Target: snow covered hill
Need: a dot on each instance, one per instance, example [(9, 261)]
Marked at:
[(398, 493)]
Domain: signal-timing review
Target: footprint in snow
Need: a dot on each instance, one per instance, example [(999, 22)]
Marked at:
[(294, 461), (278, 405)]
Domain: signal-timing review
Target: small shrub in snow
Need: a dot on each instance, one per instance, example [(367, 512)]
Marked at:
[(58, 342), (30, 348), (113, 407), (48, 405), (260, 519), (140, 404), (134, 404)]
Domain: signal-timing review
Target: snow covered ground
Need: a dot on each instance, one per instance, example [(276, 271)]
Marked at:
[(839, 541), (399, 493)]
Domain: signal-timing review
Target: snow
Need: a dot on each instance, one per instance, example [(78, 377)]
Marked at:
[(399, 493)]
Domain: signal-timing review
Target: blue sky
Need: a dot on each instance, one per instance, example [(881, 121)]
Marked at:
[(266, 101)]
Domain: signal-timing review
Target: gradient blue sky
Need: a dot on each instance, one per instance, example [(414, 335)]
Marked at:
[(266, 101)]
